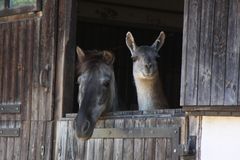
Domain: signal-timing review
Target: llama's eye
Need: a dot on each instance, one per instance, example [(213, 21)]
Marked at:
[(134, 59)]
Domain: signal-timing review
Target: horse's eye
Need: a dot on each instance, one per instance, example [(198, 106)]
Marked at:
[(106, 83), (135, 58)]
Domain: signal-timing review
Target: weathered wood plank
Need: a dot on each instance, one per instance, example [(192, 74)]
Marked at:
[(10, 142), (192, 52), (108, 143), (6, 65), (25, 138), (238, 34), (232, 55), (89, 150), (47, 59), (40, 139), (71, 146), (80, 148), (35, 71), (98, 149), (26, 68), (139, 143), (128, 145), (149, 145), (161, 143), (17, 143), (118, 143), (61, 140), (65, 58), (205, 53), (140, 17), (3, 142), (48, 145), (1, 59), (184, 53), (219, 52), (33, 141)]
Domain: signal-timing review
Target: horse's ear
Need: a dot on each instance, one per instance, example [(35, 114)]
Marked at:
[(159, 41), (80, 54), (108, 57), (130, 42)]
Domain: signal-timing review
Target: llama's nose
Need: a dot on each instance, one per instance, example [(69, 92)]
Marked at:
[(148, 65), (85, 127)]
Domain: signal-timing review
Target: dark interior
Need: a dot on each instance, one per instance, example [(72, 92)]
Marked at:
[(110, 35)]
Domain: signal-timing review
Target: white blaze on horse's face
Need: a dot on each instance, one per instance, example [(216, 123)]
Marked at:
[(145, 57)]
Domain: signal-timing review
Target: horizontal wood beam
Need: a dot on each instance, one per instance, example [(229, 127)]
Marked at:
[(165, 5), (129, 16)]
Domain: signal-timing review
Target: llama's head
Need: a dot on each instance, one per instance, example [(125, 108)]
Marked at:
[(145, 57)]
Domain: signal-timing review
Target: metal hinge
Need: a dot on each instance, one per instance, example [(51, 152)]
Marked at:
[(9, 132), (10, 108)]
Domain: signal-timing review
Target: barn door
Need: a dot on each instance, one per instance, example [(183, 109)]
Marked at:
[(27, 52)]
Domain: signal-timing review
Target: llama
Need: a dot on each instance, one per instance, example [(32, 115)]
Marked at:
[(150, 93)]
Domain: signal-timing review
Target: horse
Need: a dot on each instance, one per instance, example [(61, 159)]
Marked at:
[(97, 89), (150, 93)]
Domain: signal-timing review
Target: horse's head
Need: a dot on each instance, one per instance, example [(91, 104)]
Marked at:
[(144, 57), (96, 93)]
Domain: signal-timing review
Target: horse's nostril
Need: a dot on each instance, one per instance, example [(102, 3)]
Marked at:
[(85, 126)]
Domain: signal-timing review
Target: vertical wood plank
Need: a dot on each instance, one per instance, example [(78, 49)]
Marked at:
[(71, 146), (98, 149), (205, 53), (10, 141), (47, 58), (184, 52), (149, 145), (219, 52), (232, 55), (3, 142), (118, 143), (35, 71), (48, 144), (40, 139), (89, 150), (65, 57), (17, 143), (108, 143), (1, 59), (192, 52), (33, 141), (161, 143), (139, 142), (61, 140), (128, 143), (238, 34), (80, 148), (27, 68), (25, 139)]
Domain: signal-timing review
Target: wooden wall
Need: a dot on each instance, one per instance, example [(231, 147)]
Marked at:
[(210, 61), (27, 70)]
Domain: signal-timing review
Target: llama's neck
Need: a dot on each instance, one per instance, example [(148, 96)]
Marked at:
[(150, 93)]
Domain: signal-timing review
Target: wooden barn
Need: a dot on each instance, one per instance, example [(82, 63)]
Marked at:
[(199, 66)]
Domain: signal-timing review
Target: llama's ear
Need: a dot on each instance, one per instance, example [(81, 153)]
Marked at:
[(80, 54), (159, 41), (130, 42), (108, 57)]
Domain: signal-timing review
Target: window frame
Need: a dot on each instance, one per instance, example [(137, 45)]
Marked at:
[(7, 11)]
